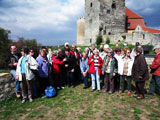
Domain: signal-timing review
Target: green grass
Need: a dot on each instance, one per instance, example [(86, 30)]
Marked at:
[(4, 71), (77, 103)]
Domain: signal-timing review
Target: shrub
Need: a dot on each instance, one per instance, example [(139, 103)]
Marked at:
[(99, 39), (107, 40)]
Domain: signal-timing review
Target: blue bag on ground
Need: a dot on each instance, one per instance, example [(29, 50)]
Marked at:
[(50, 92)]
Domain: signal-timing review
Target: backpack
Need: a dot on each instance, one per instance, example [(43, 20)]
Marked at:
[(50, 92)]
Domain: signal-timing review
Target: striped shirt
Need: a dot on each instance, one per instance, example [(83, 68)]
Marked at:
[(96, 61)]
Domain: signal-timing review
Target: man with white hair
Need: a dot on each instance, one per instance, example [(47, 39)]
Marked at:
[(155, 71), (104, 53)]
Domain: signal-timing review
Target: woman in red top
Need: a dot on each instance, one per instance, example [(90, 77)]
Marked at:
[(56, 67), (95, 63)]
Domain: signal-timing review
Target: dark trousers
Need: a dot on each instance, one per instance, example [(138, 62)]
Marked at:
[(43, 83), (70, 78), (108, 83), (56, 80), (85, 79), (124, 78), (155, 82), (26, 87), (140, 88)]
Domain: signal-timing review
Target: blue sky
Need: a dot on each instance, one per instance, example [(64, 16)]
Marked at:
[(53, 22)]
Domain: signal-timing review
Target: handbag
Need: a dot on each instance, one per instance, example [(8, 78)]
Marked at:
[(50, 92)]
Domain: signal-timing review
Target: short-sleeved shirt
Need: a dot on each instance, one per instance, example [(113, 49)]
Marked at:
[(23, 64)]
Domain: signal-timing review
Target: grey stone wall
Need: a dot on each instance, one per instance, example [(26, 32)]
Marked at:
[(103, 17), (7, 86)]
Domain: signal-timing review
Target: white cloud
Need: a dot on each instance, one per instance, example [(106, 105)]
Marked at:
[(34, 14)]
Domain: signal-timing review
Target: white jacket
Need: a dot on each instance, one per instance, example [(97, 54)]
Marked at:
[(30, 63), (121, 66)]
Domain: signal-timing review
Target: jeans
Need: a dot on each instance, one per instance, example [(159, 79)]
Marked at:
[(122, 82), (85, 81), (13, 72), (154, 82), (95, 78)]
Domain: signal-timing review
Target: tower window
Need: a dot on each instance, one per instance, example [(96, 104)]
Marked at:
[(108, 11), (91, 4), (90, 40), (114, 5)]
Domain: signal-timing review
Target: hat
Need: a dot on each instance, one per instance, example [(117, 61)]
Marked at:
[(156, 47), (106, 46), (66, 44), (110, 50)]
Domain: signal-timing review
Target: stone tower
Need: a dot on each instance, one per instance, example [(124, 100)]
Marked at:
[(105, 17), (80, 31)]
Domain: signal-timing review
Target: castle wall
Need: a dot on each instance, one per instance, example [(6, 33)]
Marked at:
[(112, 16), (91, 21), (80, 31)]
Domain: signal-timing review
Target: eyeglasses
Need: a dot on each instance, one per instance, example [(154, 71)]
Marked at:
[(32, 51), (128, 52)]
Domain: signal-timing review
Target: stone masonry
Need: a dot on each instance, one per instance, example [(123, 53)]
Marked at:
[(7, 86), (107, 18)]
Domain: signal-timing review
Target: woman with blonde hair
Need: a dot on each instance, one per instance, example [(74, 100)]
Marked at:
[(125, 70)]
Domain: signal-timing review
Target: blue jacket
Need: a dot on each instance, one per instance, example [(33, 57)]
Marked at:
[(43, 67), (83, 65)]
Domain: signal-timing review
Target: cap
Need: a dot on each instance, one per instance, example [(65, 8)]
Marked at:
[(156, 47), (106, 46), (66, 44)]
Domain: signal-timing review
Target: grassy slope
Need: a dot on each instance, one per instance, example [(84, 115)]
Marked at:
[(79, 104)]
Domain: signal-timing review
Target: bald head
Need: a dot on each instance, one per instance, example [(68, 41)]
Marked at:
[(13, 49)]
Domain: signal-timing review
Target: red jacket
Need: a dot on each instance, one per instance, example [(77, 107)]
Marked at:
[(56, 65), (91, 65), (77, 56), (155, 67)]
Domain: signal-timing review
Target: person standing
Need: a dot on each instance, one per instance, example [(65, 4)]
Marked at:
[(155, 71), (12, 61), (140, 73), (56, 67), (125, 69), (84, 69), (25, 75), (109, 70), (70, 65), (43, 70), (95, 62)]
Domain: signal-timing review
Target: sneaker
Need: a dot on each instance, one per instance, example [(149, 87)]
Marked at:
[(18, 95), (93, 90), (58, 88), (120, 92), (85, 87), (23, 101), (99, 91), (30, 100), (129, 93), (62, 87)]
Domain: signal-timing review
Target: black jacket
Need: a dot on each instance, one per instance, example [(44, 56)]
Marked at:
[(140, 68), (11, 59), (71, 61)]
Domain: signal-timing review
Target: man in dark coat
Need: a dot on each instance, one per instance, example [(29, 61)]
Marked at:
[(140, 73), (12, 61), (70, 65)]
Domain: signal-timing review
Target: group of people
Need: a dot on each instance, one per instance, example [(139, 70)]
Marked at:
[(62, 67)]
